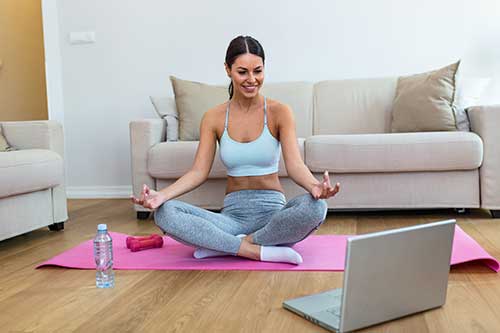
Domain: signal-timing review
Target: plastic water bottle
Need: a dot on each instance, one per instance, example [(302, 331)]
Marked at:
[(103, 254)]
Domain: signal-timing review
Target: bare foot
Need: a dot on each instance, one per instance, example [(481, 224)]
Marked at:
[(249, 239), (249, 250)]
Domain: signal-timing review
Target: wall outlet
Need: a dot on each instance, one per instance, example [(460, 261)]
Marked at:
[(82, 37)]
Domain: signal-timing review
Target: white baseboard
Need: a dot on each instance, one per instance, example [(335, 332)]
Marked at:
[(98, 192)]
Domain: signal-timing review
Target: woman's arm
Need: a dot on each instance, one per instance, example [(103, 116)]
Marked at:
[(294, 164), (203, 161)]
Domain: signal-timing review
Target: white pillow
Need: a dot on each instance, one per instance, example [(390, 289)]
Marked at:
[(166, 109), (468, 93)]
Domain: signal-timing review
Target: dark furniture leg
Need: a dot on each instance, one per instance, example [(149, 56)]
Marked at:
[(142, 215), (56, 226), (495, 213), (461, 211)]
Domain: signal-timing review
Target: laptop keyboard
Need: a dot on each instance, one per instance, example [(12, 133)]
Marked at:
[(334, 311)]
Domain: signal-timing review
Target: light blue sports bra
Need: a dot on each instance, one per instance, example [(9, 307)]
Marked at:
[(255, 158)]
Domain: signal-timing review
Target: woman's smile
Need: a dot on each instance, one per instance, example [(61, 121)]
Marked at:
[(250, 89)]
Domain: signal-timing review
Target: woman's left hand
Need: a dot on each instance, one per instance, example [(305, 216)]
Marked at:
[(325, 190)]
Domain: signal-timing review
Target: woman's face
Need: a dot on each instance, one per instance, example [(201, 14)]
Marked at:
[(247, 74)]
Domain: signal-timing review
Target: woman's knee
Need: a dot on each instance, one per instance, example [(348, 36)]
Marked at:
[(322, 208), (315, 209), (163, 215)]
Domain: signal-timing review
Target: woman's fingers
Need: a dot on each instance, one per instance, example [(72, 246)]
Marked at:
[(326, 177), (145, 200), (142, 193), (334, 190), (325, 189), (329, 191), (324, 192), (135, 200)]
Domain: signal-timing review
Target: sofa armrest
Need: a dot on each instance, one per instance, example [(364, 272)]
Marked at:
[(144, 134), (485, 121), (36, 134), (41, 134)]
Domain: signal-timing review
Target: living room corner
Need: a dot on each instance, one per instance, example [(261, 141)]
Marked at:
[(117, 118)]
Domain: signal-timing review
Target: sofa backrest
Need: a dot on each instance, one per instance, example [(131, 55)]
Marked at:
[(354, 106), (297, 95)]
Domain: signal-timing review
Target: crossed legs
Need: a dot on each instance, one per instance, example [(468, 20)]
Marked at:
[(199, 227)]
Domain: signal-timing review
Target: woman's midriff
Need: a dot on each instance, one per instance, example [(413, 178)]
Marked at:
[(265, 182)]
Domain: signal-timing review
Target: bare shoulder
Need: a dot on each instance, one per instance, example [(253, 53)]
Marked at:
[(214, 115), (279, 111)]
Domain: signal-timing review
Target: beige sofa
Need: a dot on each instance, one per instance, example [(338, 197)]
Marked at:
[(32, 189), (344, 126)]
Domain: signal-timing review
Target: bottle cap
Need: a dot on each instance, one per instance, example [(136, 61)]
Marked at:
[(102, 227)]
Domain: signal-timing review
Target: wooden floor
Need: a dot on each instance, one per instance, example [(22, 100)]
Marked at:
[(62, 300)]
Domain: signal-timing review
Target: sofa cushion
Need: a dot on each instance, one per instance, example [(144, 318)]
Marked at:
[(167, 160), (29, 170), (396, 152), (355, 106)]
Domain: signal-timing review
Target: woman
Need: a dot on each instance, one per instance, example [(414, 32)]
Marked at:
[(255, 217)]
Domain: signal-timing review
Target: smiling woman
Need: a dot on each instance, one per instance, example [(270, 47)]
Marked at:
[(251, 131), (249, 80)]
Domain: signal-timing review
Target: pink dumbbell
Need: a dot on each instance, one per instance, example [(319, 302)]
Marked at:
[(144, 244), (139, 238)]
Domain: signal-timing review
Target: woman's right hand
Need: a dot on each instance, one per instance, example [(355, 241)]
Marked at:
[(149, 198)]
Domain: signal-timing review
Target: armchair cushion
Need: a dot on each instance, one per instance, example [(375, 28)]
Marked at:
[(29, 170)]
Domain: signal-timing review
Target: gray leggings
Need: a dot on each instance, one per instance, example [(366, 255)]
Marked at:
[(263, 213)]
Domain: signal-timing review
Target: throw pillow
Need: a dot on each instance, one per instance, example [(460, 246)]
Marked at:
[(426, 101), (469, 91), (165, 108), (4, 145), (192, 100)]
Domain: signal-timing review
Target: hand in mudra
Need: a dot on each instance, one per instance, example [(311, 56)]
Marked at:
[(149, 198), (324, 190)]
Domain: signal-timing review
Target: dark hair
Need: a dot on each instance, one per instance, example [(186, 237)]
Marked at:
[(242, 45)]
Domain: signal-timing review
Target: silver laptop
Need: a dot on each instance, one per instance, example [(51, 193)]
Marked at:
[(388, 275)]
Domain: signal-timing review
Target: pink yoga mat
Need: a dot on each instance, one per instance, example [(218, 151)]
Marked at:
[(320, 253)]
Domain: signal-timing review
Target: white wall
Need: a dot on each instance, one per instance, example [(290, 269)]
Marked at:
[(140, 43)]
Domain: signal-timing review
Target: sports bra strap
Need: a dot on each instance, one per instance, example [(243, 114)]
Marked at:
[(265, 111), (227, 114)]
